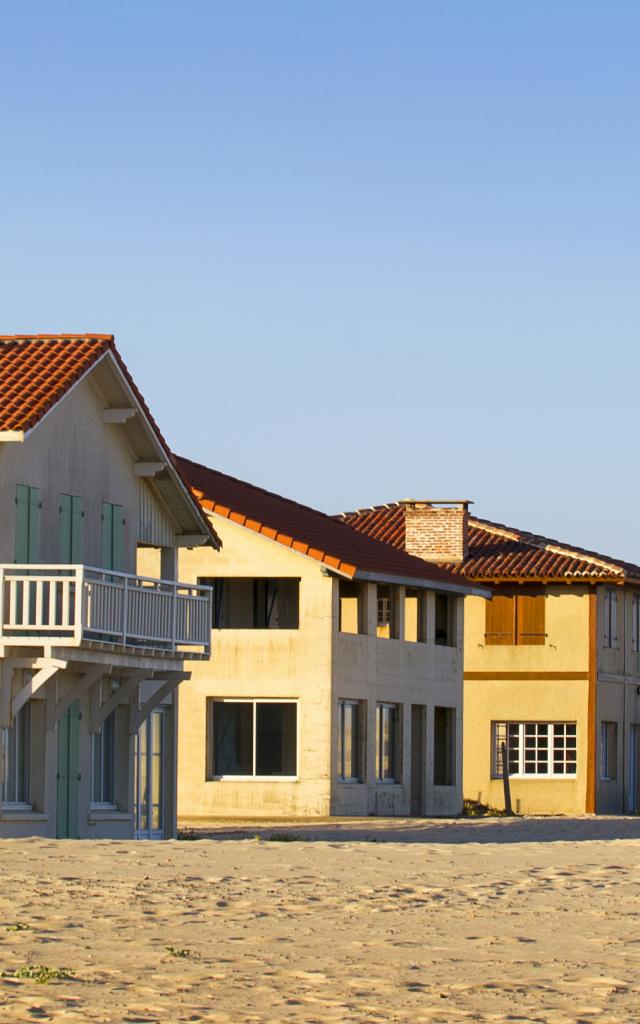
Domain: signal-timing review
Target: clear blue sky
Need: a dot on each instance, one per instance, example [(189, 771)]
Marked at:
[(351, 251)]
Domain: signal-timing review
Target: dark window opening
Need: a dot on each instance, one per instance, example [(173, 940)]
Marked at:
[(445, 633), (444, 747), (254, 738), (254, 603)]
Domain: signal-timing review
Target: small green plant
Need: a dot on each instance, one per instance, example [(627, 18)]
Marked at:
[(40, 974), (18, 926), (474, 809), (188, 834), (284, 837), (174, 951)]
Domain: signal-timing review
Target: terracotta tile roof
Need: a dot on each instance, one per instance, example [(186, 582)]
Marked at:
[(37, 371), (497, 552), (306, 530)]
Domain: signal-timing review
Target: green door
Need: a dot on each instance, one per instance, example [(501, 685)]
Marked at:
[(68, 773)]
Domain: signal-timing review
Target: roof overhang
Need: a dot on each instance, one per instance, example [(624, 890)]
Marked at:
[(464, 589)]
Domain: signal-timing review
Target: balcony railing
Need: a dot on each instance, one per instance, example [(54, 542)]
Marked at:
[(73, 604)]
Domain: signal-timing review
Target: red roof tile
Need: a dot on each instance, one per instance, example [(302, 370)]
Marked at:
[(311, 532), (497, 552), (37, 371)]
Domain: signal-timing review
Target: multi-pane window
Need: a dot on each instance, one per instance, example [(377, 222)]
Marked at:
[(387, 760), (444, 746), (254, 603), (349, 746), (610, 618), (386, 598), (635, 623), (516, 618), (534, 748), (609, 751), (253, 738), (15, 756), (103, 762)]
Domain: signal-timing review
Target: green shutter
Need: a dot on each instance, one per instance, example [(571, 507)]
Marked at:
[(65, 528), (77, 518), (35, 507), (68, 773), (118, 538), (22, 524)]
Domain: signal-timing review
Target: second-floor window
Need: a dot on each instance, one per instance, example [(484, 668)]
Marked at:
[(445, 634), (254, 603), (610, 618), (71, 517), (516, 618), (28, 510)]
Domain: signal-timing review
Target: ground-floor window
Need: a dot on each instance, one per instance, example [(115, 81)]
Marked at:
[(535, 748), (148, 782), (387, 745), (14, 759), (103, 762), (444, 746), (609, 751), (349, 741), (253, 738)]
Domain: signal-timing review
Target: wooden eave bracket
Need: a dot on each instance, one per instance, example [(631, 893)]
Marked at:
[(118, 415), (12, 435), (148, 469), (191, 540), (42, 676)]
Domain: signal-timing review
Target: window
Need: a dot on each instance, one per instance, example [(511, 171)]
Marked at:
[(349, 745), (516, 618), (414, 616), (535, 748), (352, 606), (386, 598), (71, 515), (446, 606), (609, 751), (103, 763), (635, 623), (112, 537), (444, 746), (15, 743), (28, 510), (253, 738), (610, 618), (248, 603), (387, 746)]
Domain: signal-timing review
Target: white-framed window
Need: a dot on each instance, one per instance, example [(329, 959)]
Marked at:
[(609, 751), (15, 757), (253, 738), (103, 763), (349, 741), (610, 617), (635, 623), (387, 745), (535, 749)]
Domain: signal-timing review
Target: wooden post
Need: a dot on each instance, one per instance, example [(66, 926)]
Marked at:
[(505, 780)]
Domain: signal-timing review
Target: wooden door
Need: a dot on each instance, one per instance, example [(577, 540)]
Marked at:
[(68, 773)]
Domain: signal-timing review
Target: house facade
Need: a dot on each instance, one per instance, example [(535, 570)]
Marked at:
[(336, 685), (91, 652), (551, 664)]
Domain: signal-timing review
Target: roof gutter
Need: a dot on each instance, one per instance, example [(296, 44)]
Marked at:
[(410, 581)]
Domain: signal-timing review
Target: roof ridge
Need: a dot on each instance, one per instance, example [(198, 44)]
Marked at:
[(368, 508), (57, 337)]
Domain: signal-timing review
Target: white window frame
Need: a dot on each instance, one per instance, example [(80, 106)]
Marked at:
[(500, 732), (98, 737), (5, 797), (610, 618), (357, 705), (382, 706), (253, 777)]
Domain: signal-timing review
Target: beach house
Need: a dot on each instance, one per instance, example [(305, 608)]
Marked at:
[(91, 652), (551, 664), (336, 685)]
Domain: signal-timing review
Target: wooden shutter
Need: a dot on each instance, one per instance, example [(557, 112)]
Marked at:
[(77, 517), (500, 620), (635, 607), (64, 516), (22, 524), (107, 535), (530, 619), (35, 507), (118, 538), (614, 618)]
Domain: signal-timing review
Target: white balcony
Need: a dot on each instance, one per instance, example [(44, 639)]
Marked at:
[(76, 605)]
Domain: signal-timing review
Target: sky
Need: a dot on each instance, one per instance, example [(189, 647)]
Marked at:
[(352, 251)]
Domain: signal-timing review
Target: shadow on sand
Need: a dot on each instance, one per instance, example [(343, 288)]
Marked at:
[(426, 830)]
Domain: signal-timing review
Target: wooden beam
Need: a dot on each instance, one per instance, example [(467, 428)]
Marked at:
[(79, 688), (29, 690), (124, 692), (12, 436), (148, 468), (118, 415), (138, 715), (525, 675), (191, 540)]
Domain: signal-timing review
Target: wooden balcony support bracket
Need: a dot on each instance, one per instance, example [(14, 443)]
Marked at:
[(127, 691), (43, 674), (79, 688), (138, 715)]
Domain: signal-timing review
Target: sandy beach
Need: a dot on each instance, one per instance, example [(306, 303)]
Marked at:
[(488, 920)]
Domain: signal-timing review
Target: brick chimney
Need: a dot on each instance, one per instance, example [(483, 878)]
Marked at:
[(437, 530)]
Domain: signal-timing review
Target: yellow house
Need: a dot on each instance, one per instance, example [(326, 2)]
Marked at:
[(551, 664), (335, 685)]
